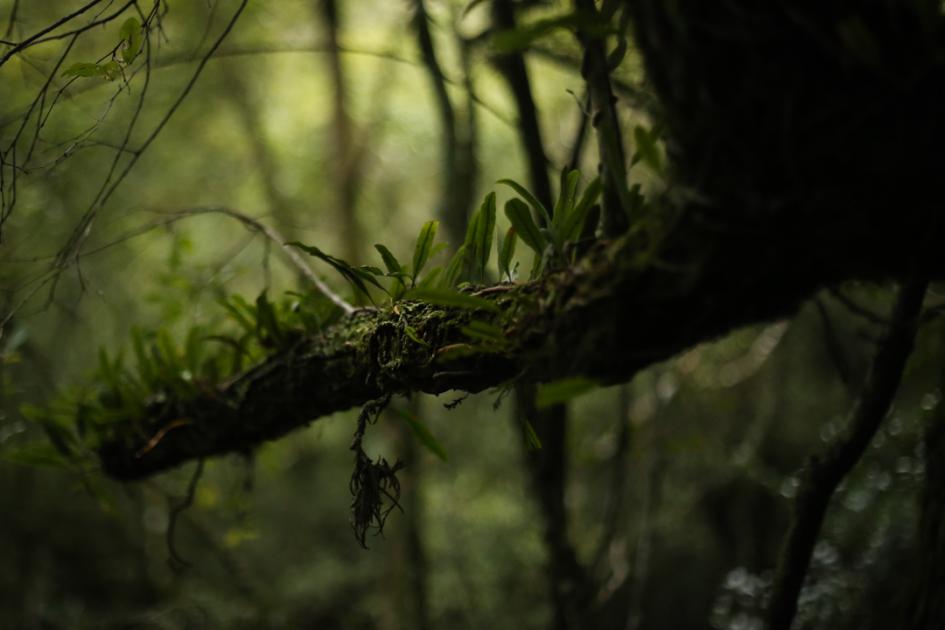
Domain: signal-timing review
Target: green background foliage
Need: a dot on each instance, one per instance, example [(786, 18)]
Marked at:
[(679, 482)]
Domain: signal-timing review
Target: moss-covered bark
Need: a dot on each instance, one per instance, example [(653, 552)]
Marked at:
[(615, 312)]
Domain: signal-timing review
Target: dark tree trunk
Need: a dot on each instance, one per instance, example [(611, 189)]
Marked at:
[(928, 605)]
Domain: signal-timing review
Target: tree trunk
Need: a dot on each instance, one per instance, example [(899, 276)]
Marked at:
[(928, 605)]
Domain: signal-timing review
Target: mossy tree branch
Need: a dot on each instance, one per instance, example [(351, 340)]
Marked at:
[(604, 318)]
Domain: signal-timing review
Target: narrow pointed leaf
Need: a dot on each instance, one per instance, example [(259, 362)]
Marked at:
[(573, 224), (530, 198), (485, 227), (530, 437), (424, 247), (431, 278), (267, 324), (449, 297), (521, 218), (390, 261), (238, 316), (565, 203), (506, 252), (455, 268), (422, 433), (353, 275)]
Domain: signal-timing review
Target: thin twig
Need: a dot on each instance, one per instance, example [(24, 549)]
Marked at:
[(277, 238), (823, 474), (175, 559), (11, 21), (73, 245), (26, 43)]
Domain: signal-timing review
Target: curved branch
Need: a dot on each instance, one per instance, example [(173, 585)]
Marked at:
[(26, 43), (274, 236), (823, 474), (605, 318)]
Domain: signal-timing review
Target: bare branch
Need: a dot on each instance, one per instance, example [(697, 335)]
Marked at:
[(68, 254), (274, 236), (26, 43), (823, 474)]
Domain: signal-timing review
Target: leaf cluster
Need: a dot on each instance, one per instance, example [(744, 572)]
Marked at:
[(550, 234), (130, 40), (162, 369)]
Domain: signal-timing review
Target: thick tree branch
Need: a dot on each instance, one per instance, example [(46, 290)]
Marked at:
[(605, 318)]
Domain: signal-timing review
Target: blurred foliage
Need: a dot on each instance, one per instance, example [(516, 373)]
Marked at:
[(679, 485)]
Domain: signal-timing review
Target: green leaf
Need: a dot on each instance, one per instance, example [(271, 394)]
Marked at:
[(131, 35), (430, 279), (423, 249), (165, 357), (562, 391), (529, 436), (355, 276), (521, 218), (449, 297), (267, 324), (394, 269), (146, 366), (423, 434), (108, 371), (192, 349), (390, 261), (573, 223), (111, 70), (471, 230), (84, 69), (232, 306), (530, 198), (37, 456), (485, 227), (506, 252), (563, 207), (455, 267), (61, 438)]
